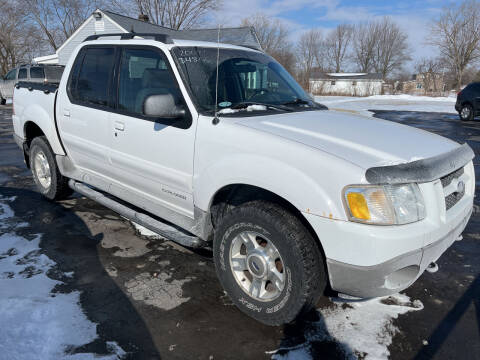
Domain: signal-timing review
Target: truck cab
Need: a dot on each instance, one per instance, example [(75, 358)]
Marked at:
[(216, 145)]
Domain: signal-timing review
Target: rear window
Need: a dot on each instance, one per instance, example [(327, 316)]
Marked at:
[(90, 84), (37, 73), (22, 73), (11, 75)]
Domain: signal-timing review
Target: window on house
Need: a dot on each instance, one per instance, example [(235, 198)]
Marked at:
[(419, 86), (332, 83)]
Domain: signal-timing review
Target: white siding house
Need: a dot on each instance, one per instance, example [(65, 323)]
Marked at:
[(107, 22), (349, 84)]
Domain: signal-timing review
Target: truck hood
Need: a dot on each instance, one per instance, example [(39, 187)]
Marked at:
[(364, 141)]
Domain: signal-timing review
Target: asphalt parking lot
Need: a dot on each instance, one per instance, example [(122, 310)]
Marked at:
[(158, 300)]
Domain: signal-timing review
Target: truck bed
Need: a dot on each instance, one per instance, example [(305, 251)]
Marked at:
[(36, 102)]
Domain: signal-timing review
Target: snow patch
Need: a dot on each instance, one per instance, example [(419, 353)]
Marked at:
[(361, 328), (248, 108), (145, 232), (36, 323)]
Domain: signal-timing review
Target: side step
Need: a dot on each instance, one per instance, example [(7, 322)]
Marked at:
[(161, 228)]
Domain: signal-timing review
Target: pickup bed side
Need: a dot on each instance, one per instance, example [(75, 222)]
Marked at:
[(34, 112)]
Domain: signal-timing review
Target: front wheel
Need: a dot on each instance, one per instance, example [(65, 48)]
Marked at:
[(466, 113), (268, 262), (47, 177)]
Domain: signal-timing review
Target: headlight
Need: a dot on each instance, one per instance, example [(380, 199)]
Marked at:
[(384, 204)]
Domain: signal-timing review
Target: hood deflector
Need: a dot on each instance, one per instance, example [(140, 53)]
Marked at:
[(421, 171)]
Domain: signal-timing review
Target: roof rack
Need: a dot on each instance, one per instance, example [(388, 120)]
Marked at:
[(166, 39)]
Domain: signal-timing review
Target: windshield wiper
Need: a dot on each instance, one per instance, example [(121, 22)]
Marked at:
[(297, 101), (245, 104)]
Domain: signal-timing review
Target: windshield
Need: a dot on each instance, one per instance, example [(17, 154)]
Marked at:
[(244, 78)]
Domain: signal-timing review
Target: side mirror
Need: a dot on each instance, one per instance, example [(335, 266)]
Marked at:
[(162, 106)]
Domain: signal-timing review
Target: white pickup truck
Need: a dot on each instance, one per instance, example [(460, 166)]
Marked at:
[(216, 145)]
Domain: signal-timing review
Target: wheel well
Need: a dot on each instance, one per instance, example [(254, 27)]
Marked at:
[(234, 195), (31, 131)]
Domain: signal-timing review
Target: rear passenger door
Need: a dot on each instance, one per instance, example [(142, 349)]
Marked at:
[(83, 115), (152, 157)]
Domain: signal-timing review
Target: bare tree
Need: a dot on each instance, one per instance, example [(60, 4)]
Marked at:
[(308, 51), (430, 72), (380, 46), (391, 48), (273, 37), (364, 43), (272, 33), (176, 14), (337, 46), (456, 33), (16, 46), (58, 19)]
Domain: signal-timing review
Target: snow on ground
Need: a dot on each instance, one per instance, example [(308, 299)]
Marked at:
[(37, 323), (361, 105), (363, 329)]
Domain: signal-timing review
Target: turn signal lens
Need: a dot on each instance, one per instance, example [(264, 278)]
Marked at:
[(358, 206), (384, 204)]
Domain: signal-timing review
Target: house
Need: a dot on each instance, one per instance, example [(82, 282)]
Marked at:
[(107, 22), (427, 83), (350, 84)]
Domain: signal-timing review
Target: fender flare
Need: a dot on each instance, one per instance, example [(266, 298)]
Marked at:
[(278, 177)]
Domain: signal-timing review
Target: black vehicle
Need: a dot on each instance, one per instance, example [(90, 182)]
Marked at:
[(468, 102)]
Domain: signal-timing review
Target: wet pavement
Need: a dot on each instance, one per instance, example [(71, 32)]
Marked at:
[(158, 300)]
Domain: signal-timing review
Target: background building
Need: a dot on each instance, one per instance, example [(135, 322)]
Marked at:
[(350, 84), (104, 22)]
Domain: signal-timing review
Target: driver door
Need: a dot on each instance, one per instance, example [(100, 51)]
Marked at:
[(152, 158)]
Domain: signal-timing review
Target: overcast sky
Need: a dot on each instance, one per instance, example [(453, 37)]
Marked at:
[(414, 17)]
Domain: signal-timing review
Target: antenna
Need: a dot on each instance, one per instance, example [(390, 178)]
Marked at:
[(216, 120)]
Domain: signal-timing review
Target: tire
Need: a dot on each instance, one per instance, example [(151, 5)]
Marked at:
[(466, 113), (3, 101), (299, 260), (47, 177)]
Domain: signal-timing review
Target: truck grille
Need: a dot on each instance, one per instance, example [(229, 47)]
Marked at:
[(457, 195)]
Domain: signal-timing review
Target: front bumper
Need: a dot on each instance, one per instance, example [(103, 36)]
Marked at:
[(393, 275)]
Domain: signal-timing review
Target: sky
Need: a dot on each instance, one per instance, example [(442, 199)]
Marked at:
[(414, 17)]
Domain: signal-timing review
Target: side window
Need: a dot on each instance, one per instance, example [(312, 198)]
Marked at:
[(22, 74), (92, 84), (11, 75), (144, 72), (37, 73)]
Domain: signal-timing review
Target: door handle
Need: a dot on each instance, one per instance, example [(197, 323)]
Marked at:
[(120, 126), (66, 113)]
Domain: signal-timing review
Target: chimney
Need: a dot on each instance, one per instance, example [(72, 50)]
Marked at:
[(143, 17)]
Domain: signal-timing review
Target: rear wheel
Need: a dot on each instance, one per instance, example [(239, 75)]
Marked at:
[(466, 113), (47, 177), (3, 101), (268, 262)]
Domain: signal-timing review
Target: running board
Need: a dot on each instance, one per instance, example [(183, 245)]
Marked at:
[(168, 231)]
